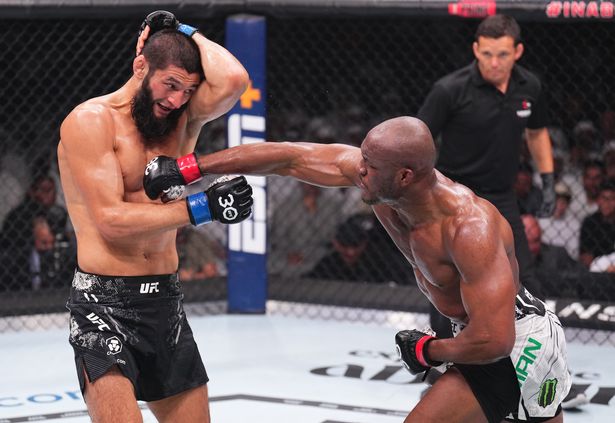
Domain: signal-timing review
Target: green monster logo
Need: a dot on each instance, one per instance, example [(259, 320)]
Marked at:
[(547, 392)]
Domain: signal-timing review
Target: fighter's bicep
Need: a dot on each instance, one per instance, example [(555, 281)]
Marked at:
[(206, 105), (209, 101), (487, 283), (332, 165), (87, 142)]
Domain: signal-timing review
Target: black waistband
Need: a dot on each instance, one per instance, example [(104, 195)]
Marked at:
[(120, 286), (526, 304)]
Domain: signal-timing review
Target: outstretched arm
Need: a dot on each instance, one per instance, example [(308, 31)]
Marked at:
[(329, 165)]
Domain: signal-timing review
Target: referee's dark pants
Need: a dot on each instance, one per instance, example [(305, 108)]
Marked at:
[(506, 203)]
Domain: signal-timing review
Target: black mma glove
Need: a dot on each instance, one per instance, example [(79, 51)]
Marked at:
[(411, 349), (228, 200), (161, 19), (167, 176), (548, 195)]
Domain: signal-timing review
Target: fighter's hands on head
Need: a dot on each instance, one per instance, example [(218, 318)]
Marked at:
[(157, 21), (141, 40)]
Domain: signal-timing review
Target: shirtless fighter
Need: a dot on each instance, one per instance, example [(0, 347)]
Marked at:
[(127, 325), (508, 356)]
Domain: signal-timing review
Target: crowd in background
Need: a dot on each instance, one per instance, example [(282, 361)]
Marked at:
[(329, 233), (334, 92), (37, 245)]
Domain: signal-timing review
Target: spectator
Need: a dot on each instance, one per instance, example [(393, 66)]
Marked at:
[(529, 197), (358, 247), (552, 263), (585, 194), (52, 260), (17, 238), (598, 229), (304, 218), (348, 260), (563, 228), (587, 142)]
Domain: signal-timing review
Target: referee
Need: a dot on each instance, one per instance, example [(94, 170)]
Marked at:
[(480, 112)]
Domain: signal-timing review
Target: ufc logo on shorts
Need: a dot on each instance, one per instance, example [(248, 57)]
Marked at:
[(149, 287), (97, 321), (229, 213)]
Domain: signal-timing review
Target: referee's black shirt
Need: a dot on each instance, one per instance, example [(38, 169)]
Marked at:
[(480, 127)]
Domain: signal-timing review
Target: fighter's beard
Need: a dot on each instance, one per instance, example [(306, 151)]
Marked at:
[(153, 129)]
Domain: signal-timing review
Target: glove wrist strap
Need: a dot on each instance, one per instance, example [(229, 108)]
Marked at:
[(198, 209), (187, 29), (189, 168), (421, 354)]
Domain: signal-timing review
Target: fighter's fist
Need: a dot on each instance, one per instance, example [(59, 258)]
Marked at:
[(228, 200), (167, 176), (411, 348), (161, 19)]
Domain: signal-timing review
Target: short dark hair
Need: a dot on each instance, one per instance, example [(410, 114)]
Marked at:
[(588, 164), (352, 232), (169, 47), (497, 26), (608, 185), (39, 178)]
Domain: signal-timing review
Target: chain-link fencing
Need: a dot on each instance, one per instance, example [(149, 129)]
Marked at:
[(329, 79)]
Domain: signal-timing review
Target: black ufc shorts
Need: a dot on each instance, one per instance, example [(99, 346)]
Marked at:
[(496, 388), (137, 323)]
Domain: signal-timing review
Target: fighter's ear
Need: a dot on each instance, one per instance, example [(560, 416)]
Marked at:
[(139, 66), (475, 49), (519, 49), (406, 176)]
